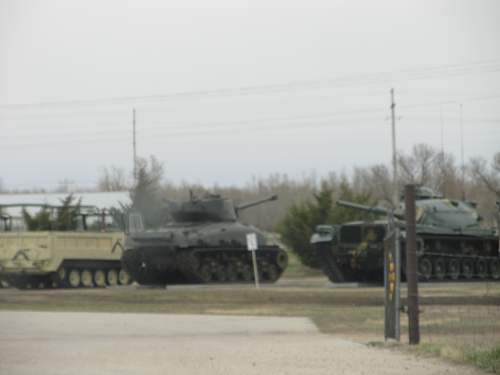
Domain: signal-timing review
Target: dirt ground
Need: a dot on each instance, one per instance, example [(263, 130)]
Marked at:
[(130, 343)]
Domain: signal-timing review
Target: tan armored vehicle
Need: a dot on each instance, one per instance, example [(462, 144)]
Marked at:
[(84, 254)]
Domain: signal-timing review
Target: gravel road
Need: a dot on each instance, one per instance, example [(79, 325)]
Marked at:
[(109, 343)]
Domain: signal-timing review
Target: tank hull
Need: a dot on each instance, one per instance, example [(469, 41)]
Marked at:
[(440, 256), (167, 264), (61, 259)]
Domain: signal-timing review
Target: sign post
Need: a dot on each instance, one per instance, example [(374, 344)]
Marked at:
[(392, 281), (252, 246)]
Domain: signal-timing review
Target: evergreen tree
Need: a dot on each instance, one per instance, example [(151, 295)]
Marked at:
[(301, 220), (66, 218), (67, 214), (39, 221)]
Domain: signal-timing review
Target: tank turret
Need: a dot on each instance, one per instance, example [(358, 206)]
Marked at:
[(210, 208), (448, 214), (202, 242)]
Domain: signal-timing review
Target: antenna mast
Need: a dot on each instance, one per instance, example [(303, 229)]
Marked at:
[(134, 146), (462, 150), (394, 153)]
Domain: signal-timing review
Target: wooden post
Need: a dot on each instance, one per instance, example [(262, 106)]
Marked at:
[(411, 266)]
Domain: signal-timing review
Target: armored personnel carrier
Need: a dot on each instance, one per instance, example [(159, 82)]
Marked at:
[(450, 243), (85, 256), (203, 243)]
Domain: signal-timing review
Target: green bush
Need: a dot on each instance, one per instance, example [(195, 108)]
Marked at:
[(486, 359), (301, 220), (65, 218)]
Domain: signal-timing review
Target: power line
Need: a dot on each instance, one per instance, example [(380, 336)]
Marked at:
[(488, 66), (120, 122), (183, 125), (157, 134)]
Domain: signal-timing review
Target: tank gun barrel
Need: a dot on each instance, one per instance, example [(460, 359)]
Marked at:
[(362, 207), (257, 202)]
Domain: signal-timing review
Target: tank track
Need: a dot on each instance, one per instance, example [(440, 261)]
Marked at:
[(74, 274), (452, 258), (205, 265), (439, 259)]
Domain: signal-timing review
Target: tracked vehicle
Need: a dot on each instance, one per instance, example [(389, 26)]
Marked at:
[(202, 243), (450, 243), (88, 256)]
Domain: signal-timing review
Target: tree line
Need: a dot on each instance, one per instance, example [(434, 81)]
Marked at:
[(307, 202), (478, 181)]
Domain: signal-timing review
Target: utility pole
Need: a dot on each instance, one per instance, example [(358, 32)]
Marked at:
[(441, 119), (392, 274), (462, 150), (134, 147), (394, 152)]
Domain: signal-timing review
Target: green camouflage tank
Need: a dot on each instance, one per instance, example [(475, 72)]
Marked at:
[(202, 243)]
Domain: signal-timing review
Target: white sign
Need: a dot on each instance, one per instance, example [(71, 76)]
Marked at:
[(252, 242)]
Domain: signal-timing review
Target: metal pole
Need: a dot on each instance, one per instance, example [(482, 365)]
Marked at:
[(255, 270), (397, 250), (394, 151), (411, 266), (134, 146), (462, 150)]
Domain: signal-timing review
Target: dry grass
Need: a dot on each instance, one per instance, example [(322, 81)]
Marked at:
[(459, 321)]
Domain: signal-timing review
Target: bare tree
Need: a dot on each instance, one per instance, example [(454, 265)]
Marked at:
[(446, 176), (66, 186), (489, 176), (416, 168), (112, 179), (146, 194), (382, 184)]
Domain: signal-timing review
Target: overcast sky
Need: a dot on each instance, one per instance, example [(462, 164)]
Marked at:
[(227, 90)]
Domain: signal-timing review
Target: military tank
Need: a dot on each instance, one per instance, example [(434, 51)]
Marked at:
[(203, 242), (450, 243)]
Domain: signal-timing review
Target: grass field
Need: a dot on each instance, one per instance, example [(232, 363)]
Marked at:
[(459, 321)]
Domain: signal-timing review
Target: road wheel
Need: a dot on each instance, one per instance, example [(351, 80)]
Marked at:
[(61, 278), (454, 269), (424, 269), (282, 260), (270, 273), (124, 277), (467, 268), (231, 274), (220, 273), (205, 273), (439, 268), (23, 284), (74, 278), (41, 284), (100, 278), (495, 269), (246, 273), (62, 273), (481, 268), (112, 277), (87, 279)]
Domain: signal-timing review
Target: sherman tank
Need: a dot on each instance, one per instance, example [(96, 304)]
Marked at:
[(203, 242), (86, 253), (450, 243)]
